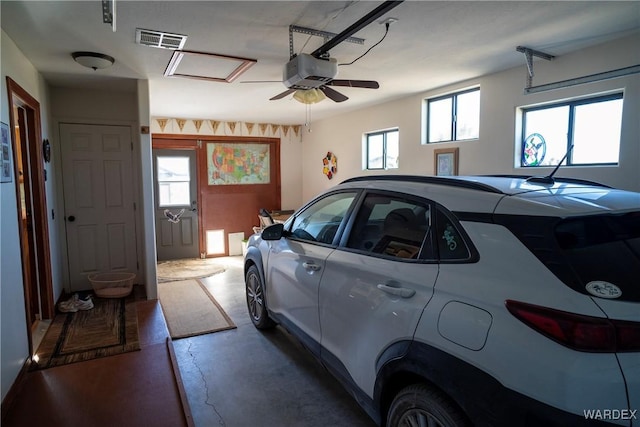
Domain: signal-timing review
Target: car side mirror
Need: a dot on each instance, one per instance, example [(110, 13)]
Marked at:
[(273, 232)]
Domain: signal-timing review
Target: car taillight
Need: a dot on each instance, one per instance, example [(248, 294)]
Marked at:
[(579, 332)]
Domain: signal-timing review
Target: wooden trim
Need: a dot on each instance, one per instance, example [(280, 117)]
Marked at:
[(173, 144), (186, 409), (18, 96)]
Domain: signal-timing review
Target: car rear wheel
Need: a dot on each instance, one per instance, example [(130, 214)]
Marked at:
[(255, 300), (420, 405)]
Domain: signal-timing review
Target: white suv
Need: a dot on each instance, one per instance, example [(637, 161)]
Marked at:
[(488, 301)]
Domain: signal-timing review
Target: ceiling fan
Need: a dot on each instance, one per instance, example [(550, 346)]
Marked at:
[(310, 77), (305, 72)]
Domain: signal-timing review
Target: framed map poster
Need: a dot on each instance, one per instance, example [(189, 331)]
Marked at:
[(237, 164)]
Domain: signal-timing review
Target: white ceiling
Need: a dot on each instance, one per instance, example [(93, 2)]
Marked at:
[(432, 44)]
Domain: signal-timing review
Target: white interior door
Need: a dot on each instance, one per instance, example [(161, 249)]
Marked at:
[(99, 205), (176, 186)]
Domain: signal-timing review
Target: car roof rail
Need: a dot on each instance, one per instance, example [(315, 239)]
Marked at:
[(532, 178), (448, 181)]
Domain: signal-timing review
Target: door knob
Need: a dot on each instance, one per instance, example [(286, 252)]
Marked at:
[(71, 218)]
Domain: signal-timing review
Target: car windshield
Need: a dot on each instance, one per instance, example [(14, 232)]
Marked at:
[(603, 248)]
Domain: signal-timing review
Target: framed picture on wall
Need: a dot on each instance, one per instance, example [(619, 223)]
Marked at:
[(446, 161), (5, 154)]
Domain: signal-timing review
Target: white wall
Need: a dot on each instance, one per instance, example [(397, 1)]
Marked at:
[(146, 212), (494, 152), (13, 328)]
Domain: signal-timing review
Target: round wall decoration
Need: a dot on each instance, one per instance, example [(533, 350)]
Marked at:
[(534, 150), (329, 164)]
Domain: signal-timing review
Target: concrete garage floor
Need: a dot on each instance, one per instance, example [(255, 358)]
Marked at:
[(243, 377)]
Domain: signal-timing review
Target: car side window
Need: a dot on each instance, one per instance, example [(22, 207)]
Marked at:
[(392, 226), (451, 244), (320, 221)]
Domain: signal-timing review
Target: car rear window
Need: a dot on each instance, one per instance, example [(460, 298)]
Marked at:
[(585, 250), (603, 248)]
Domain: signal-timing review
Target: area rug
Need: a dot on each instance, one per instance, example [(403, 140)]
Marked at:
[(190, 309), (182, 269), (110, 328)]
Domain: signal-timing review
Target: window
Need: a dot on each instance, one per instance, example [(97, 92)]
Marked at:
[(382, 149), (392, 226), (591, 126), (451, 244), (173, 181), (603, 250), (320, 221), (454, 117)]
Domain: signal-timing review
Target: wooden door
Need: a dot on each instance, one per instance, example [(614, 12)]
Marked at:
[(99, 205)]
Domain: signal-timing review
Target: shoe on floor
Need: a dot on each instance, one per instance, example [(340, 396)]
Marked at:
[(74, 304)]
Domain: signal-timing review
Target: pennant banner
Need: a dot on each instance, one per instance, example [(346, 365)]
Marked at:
[(214, 125), (162, 123)]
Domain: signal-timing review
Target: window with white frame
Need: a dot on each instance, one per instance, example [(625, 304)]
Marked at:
[(454, 117), (174, 177), (382, 149), (591, 126)]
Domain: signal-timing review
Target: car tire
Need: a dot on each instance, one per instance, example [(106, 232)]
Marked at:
[(420, 404), (256, 303)]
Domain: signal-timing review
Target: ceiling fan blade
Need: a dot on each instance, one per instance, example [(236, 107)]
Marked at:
[(333, 94), (282, 95), (367, 84)]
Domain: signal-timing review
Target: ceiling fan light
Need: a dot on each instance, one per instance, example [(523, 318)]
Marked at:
[(309, 96), (93, 60)]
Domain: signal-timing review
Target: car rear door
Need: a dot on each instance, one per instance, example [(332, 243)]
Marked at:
[(376, 285), (296, 263)]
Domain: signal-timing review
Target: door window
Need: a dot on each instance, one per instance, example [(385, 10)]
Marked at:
[(173, 176), (451, 244), (393, 226), (320, 221)]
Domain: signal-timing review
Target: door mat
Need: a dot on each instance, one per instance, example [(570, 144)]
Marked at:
[(183, 269), (109, 328), (190, 309)]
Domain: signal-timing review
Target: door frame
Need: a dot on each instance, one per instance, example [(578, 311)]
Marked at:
[(38, 241), (128, 128), (194, 190), (178, 142)]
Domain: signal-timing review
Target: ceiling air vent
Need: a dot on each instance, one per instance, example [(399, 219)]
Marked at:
[(160, 39)]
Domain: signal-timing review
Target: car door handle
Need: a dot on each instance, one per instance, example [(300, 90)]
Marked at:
[(401, 292), (311, 266)]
